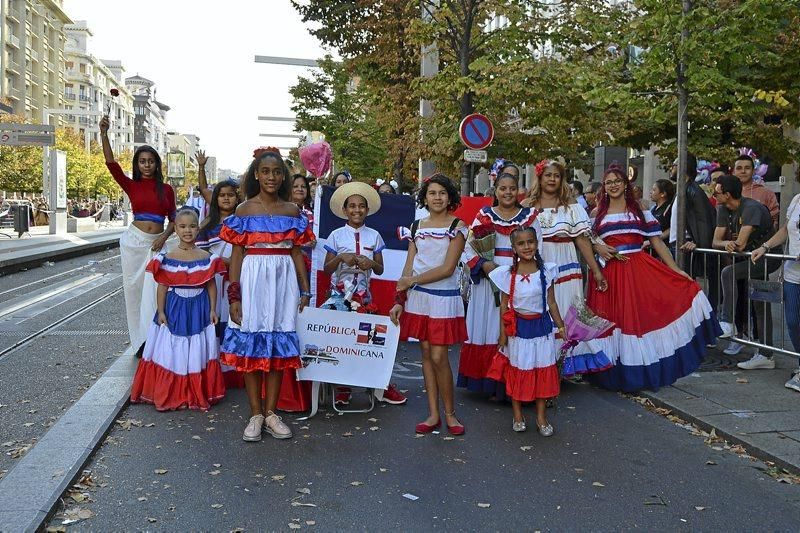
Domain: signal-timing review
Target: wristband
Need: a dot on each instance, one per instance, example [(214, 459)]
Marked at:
[(234, 292), (305, 293)]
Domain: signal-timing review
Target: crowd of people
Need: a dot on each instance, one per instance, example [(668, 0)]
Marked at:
[(212, 304)]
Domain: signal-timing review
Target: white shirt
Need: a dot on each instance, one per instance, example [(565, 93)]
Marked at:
[(791, 269), (363, 241)]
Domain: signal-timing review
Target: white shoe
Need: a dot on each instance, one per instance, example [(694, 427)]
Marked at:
[(252, 433), (756, 362), (728, 330), (794, 382), (274, 425), (733, 348)]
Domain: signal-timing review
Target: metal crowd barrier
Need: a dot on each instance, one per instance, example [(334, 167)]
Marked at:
[(761, 294)]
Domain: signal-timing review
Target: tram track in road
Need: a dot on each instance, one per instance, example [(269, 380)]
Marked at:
[(58, 275), (56, 323)]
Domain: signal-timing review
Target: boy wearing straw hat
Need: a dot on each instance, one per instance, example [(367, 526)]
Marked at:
[(353, 253)]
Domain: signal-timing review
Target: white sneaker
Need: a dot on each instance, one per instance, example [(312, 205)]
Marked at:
[(794, 382), (756, 362), (728, 330), (252, 433), (733, 348)]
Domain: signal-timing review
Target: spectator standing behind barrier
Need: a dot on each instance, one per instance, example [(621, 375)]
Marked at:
[(743, 225), (791, 280), (662, 195), (743, 169)]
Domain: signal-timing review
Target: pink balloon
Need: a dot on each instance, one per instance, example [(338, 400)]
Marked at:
[(316, 158)]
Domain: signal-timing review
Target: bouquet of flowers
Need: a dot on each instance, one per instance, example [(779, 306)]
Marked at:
[(596, 239), (481, 239), (582, 325), (346, 297)]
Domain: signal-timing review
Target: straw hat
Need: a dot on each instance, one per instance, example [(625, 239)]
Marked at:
[(349, 189)]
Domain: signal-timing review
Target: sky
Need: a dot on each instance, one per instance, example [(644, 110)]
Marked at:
[(200, 54)]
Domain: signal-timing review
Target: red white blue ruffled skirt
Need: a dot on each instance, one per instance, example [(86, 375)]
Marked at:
[(434, 315), (180, 364)]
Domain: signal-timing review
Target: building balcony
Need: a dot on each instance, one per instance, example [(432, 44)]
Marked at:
[(84, 98), (14, 14), (15, 94), (13, 41), (85, 120), (34, 54), (14, 67), (69, 96)]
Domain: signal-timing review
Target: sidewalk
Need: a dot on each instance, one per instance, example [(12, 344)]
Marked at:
[(39, 246), (747, 407)]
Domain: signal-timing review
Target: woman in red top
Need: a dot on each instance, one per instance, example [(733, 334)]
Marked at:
[(153, 202)]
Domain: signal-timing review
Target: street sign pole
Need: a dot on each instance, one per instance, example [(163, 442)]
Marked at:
[(476, 132)]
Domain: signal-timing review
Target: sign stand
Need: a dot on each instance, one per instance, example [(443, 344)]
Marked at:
[(58, 191), (476, 132)]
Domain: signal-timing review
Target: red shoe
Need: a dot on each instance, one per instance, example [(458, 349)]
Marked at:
[(422, 427), (392, 395), (455, 430), (342, 396)]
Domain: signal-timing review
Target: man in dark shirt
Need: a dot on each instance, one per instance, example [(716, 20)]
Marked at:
[(743, 224)]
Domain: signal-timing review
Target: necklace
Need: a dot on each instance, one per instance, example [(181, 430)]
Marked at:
[(191, 247)]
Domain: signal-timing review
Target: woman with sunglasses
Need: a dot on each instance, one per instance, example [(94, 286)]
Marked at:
[(662, 319)]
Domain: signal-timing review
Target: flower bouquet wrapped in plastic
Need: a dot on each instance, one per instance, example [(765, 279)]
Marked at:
[(583, 326), (481, 239)]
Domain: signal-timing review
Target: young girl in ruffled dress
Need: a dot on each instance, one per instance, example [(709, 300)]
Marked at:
[(180, 365), (429, 305), (268, 286), (526, 360), (222, 203)]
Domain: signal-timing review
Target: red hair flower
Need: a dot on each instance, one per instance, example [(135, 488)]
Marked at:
[(540, 166), (115, 92), (261, 149)]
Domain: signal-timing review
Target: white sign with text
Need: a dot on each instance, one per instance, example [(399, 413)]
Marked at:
[(346, 348)]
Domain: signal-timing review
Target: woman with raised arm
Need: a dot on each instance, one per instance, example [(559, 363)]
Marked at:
[(153, 202)]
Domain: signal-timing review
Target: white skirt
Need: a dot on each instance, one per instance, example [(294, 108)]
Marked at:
[(138, 285)]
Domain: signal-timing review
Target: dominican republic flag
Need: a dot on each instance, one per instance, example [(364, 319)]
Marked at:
[(396, 210)]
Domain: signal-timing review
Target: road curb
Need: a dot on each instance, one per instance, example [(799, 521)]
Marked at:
[(30, 492), (752, 449), (10, 266)]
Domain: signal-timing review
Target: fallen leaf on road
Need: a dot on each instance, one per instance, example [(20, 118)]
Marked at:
[(356, 483), (216, 505), (409, 496), (28, 424), (373, 420), (347, 434), (304, 490), (374, 428), (150, 425), (711, 463), (525, 448), (742, 380), (383, 470), (160, 471), (301, 504), (196, 437), (655, 500), (597, 484), (310, 522), (292, 525), (484, 505), (142, 498), (216, 465), (215, 473), (277, 477), (700, 508), (418, 435), (151, 520)]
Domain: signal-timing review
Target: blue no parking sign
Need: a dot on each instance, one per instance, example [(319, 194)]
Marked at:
[(476, 131)]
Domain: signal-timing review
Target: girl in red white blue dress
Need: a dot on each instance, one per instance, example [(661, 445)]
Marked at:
[(663, 321), (526, 361), (483, 323), (268, 286), (429, 305), (180, 366), (222, 203)]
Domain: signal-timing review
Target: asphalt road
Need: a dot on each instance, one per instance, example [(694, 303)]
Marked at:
[(612, 465), (42, 379)]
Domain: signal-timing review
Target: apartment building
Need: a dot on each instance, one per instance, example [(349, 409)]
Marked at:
[(187, 144), (87, 87), (32, 59), (150, 115)]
